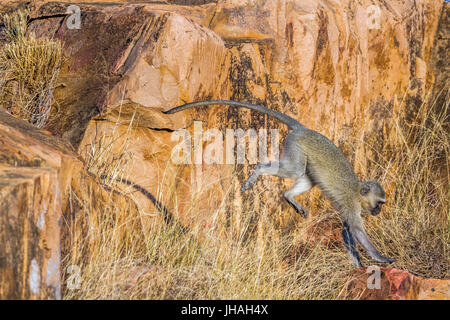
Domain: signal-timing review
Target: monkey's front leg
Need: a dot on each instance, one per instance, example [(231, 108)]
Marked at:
[(350, 246), (361, 235)]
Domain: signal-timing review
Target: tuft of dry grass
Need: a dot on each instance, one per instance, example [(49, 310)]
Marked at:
[(29, 68), (123, 259)]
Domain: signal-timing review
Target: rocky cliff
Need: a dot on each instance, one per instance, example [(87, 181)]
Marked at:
[(339, 67), (40, 176)]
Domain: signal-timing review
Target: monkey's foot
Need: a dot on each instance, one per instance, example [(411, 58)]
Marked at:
[(247, 185), (299, 209), (303, 212)]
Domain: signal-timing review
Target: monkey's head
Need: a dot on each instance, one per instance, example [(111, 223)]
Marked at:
[(372, 197)]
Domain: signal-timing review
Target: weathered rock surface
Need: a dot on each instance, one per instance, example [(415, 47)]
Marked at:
[(37, 173), (35, 170), (30, 216), (338, 67), (395, 284)]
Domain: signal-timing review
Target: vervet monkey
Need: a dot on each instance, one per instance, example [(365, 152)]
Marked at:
[(312, 159)]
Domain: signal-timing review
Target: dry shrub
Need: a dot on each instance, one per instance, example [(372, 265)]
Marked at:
[(29, 69)]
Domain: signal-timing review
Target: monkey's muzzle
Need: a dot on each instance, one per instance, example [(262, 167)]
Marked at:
[(376, 210)]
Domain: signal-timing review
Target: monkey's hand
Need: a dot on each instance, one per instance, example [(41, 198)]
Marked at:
[(384, 259)]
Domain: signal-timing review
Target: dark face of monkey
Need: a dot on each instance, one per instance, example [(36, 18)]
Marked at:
[(377, 209), (372, 197)]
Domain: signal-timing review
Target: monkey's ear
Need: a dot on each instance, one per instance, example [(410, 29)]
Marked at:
[(364, 190)]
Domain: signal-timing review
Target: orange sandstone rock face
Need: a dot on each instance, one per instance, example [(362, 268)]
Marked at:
[(35, 171), (340, 68), (395, 284), (30, 213), (37, 215)]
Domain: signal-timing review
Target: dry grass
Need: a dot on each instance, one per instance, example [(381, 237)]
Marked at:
[(415, 227), (122, 259), (29, 69), (101, 161), (168, 264)]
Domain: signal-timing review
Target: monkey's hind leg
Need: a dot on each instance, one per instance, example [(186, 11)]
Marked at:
[(300, 186), (270, 168), (291, 165)]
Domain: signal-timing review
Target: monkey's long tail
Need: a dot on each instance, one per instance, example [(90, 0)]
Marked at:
[(290, 122)]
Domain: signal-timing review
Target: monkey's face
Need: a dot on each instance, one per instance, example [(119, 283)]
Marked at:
[(372, 197), (376, 209)]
